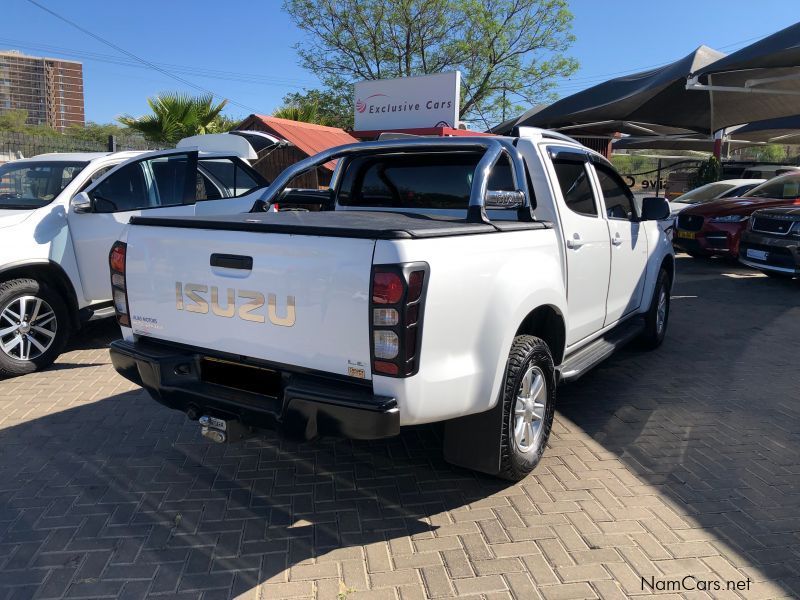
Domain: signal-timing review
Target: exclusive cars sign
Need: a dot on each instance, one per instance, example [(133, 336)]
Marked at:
[(408, 102)]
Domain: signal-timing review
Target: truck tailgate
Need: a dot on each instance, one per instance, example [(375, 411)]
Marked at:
[(303, 302)]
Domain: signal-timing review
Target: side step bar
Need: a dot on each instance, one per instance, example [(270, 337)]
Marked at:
[(580, 362)]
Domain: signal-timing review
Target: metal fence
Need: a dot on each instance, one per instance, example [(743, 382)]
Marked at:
[(15, 145), (656, 176)]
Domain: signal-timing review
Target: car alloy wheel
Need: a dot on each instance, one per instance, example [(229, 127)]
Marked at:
[(28, 327), (530, 409)]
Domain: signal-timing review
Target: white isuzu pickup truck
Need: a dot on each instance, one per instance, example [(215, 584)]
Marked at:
[(453, 280)]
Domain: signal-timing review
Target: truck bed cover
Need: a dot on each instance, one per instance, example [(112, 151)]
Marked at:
[(346, 223)]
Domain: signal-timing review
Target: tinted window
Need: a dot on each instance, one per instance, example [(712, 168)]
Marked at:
[(172, 175), (124, 190), (786, 187), (153, 183), (231, 175), (28, 185), (575, 187), (617, 196), (434, 180)]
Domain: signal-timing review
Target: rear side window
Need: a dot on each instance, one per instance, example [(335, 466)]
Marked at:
[(573, 179), (433, 180)]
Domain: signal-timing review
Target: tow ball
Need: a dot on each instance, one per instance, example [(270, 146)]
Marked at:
[(222, 431)]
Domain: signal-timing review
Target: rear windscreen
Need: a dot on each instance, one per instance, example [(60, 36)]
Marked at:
[(431, 180)]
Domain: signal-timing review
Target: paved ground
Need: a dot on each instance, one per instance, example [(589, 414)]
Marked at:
[(680, 462)]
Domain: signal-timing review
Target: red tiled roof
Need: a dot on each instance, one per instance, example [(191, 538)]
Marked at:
[(308, 137)]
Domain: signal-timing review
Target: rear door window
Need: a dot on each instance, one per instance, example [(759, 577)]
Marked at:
[(573, 179)]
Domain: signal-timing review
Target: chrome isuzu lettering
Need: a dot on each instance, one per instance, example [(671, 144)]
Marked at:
[(188, 297)]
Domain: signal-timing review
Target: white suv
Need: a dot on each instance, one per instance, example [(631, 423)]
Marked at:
[(60, 214)]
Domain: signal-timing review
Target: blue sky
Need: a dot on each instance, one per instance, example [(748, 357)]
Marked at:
[(247, 45)]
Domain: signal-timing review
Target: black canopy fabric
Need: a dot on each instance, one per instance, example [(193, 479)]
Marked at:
[(649, 97), (760, 81)]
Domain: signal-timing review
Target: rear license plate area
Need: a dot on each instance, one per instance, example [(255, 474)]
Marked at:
[(238, 376), (686, 235)]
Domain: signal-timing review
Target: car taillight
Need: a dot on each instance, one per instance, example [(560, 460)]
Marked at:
[(119, 290), (396, 308)]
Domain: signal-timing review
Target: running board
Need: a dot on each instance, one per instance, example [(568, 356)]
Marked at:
[(584, 359)]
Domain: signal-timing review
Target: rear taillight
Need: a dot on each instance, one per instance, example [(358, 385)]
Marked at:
[(119, 290), (396, 308)]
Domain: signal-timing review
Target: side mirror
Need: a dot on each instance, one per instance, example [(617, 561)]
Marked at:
[(655, 209), (503, 199), (81, 203)]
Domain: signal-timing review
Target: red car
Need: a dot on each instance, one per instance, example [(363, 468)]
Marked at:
[(715, 227)]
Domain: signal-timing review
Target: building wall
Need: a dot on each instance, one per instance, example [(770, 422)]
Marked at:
[(51, 90)]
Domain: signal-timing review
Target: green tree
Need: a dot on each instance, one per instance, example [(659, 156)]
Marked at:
[(13, 120), (177, 116), (510, 52), (324, 107)]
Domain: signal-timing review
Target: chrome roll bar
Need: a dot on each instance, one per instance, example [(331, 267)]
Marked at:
[(493, 148)]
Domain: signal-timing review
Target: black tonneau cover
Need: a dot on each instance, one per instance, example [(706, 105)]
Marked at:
[(380, 225)]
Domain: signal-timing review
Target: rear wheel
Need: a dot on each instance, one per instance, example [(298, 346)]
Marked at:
[(529, 396), (34, 326), (657, 316)]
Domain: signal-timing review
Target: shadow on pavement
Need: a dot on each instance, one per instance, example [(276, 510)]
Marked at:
[(125, 488), (712, 419)]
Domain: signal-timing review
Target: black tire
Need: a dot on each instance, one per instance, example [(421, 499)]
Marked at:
[(10, 293), (527, 352), (655, 329)]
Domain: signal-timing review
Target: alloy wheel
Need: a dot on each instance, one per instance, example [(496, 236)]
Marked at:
[(28, 328), (529, 409)]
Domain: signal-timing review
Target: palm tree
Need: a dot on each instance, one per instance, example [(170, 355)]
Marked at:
[(306, 112), (176, 116)]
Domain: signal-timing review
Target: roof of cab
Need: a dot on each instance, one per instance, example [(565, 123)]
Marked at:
[(79, 156)]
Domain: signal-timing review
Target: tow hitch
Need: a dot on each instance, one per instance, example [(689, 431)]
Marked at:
[(221, 431)]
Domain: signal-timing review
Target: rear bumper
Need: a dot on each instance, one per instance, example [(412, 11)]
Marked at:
[(782, 253), (304, 404)]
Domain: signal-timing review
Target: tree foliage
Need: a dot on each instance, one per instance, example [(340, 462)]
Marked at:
[(13, 120), (510, 52), (176, 116), (324, 107)]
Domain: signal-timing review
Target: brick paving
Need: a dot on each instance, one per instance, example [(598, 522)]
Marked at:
[(661, 465)]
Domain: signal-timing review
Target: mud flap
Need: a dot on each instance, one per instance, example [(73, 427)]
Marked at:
[(473, 442)]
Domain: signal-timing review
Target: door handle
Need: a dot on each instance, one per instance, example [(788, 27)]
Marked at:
[(575, 242), (616, 240), (232, 261)]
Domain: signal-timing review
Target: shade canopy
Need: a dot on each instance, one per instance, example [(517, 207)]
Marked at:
[(760, 81), (701, 143), (649, 97), (780, 130)]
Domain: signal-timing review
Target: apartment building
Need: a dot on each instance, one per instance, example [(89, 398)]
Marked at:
[(50, 89)]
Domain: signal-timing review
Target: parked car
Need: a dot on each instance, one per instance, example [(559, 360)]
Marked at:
[(771, 242), (714, 228), (769, 171), (59, 216), (435, 290), (729, 188)]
